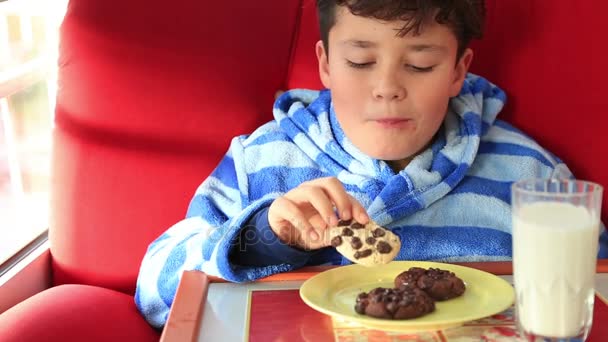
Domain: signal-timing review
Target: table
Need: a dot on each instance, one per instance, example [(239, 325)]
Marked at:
[(198, 292)]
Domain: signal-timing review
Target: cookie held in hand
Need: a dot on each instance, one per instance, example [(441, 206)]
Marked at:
[(439, 284), (405, 303), (365, 244)]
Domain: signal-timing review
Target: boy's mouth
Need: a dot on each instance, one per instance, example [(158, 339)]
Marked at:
[(394, 122)]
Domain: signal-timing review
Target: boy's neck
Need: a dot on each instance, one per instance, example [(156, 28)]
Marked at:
[(398, 165)]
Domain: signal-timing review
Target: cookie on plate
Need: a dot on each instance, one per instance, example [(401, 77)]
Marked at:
[(404, 303), (365, 244), (439, 284)]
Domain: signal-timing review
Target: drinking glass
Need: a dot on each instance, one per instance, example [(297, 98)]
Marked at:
[(555, 244)]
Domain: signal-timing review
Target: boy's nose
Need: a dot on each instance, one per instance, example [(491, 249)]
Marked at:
[(389, 89)]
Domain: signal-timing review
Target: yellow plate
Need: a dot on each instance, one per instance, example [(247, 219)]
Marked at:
[(333, 292)]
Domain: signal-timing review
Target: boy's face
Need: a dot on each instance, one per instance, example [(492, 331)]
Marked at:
[(390, 93)]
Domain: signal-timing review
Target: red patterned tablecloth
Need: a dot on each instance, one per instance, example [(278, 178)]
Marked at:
[(280, 315)]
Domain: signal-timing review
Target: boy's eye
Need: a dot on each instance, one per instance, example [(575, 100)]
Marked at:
[(358, 65), (420, 69)]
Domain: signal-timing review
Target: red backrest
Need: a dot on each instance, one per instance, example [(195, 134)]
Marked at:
[(152, 92)]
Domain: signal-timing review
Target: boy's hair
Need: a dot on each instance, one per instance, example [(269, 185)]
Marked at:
[(464, 17)]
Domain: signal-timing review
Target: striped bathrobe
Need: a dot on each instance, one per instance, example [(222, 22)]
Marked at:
[(451, 203)]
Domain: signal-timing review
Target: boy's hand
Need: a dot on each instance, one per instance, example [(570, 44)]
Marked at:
[(302, 216)]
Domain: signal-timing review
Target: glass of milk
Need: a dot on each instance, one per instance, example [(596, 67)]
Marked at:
[(555, 245)]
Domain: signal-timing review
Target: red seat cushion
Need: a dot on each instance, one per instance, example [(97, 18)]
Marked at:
[(75, 313)]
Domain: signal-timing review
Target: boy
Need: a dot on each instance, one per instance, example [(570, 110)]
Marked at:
[(402, 136)]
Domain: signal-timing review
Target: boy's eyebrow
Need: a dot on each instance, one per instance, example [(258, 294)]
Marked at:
[(426, 47), (412, 47), (359, 43)]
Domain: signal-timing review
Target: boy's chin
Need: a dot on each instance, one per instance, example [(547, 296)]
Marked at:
[(390, 157), (393, 153)]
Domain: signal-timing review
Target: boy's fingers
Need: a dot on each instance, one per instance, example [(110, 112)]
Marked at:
[(288, 211), (339, 197), (318, 225), (359, 213), (319, 200)]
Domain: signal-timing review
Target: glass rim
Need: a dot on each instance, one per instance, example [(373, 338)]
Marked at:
[(594, 188)]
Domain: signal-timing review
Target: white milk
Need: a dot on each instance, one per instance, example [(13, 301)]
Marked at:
[(554, 256)]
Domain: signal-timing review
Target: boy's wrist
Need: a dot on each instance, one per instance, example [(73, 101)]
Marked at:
[(259, 230)]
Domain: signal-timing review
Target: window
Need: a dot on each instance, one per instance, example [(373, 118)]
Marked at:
[(29, 35)]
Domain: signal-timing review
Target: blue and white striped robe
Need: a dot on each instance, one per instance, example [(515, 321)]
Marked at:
[(451, 203)]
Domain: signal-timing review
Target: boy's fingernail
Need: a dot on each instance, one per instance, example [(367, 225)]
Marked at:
[(346, 215), (363, 218), (314, 236), (332, 220)]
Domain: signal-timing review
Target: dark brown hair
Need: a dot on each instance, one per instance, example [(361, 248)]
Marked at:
[(464, 17)]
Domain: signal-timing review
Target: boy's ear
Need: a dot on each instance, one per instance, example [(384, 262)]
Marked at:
[(460, 73), (323, 64)]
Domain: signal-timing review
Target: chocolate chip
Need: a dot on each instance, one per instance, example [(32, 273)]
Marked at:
[(377, 291), (344, 223), (357, 225), (363, 254), (347, 232), (407, 300), (378, 232), (336, 241), (360, 307), (362, 296), (425, 282), (370, 241), (383, 247), (356, 243)]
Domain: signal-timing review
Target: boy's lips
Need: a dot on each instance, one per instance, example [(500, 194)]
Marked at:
[(393, 122)]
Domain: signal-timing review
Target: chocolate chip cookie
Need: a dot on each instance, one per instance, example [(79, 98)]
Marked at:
[(403, 303), (367, 244), (439, 284)]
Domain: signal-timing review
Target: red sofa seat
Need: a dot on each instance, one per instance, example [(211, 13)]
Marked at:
[(76, 313)]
